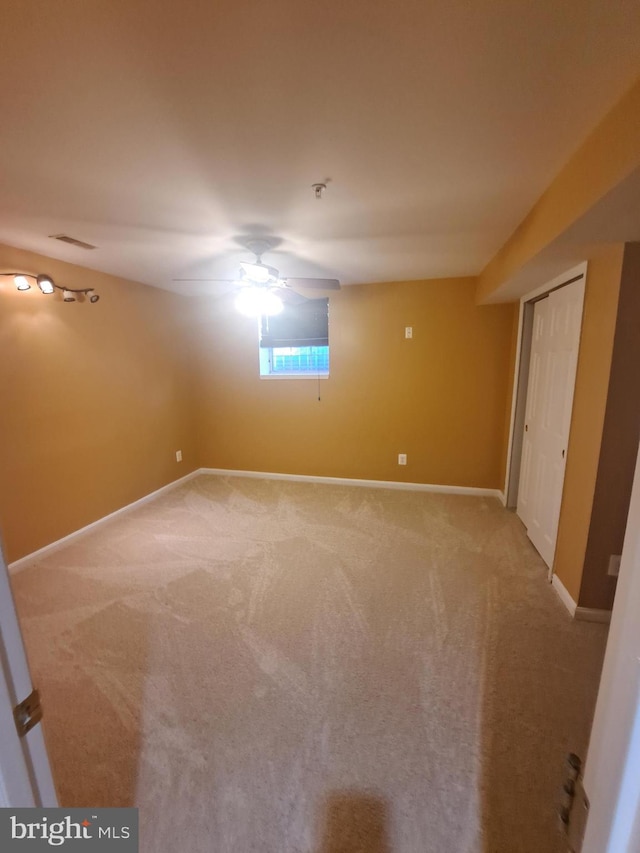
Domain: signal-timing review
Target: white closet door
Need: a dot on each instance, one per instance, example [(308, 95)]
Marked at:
[(552, 373), (530, 459)]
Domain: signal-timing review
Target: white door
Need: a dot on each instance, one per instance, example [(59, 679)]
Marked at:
[(25, 774), (532, 410), (557, 321), (612, 776)]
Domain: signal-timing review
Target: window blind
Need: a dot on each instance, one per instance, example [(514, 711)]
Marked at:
[(303, 325)]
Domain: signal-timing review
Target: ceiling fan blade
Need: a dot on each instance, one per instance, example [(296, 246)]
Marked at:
[(289, 296), (313, 283)]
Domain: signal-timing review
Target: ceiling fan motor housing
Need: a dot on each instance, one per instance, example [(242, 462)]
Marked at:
[(259, 273)]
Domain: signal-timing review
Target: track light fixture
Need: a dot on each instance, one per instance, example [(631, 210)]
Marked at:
[(47, 285), (21, 282)]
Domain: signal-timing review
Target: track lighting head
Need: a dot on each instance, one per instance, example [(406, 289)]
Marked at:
[(68, 296), (21, 282), (94, 297), (45, 283)]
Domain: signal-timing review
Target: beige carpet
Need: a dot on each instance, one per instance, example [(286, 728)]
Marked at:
[(299, 668)]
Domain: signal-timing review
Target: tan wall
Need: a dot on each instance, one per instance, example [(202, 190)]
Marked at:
[(440, 397), (620, 437), (95, 401), (592, 381), (606, 157)]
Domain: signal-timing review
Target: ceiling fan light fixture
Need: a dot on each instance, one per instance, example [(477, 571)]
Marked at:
[(256, 302), (271, 304), (258, 273)]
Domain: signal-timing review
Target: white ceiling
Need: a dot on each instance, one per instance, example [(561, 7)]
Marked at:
[(165, 132)]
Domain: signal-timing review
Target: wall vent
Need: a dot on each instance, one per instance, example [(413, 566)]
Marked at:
[(64, 238)]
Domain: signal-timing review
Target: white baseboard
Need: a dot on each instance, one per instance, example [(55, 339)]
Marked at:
[(48, 549), (345, 481), (376, 484), (564, 595), (592, 614), (583, 614)]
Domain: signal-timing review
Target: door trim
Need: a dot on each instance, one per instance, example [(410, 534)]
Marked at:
[(522, 365), (25, 773), (521, 377), (611, 776)]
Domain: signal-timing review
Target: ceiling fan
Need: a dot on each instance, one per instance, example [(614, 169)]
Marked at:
[(260, 288)]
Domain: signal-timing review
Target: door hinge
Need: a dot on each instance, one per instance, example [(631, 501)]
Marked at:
[(578, 818), (575, 808), (28, 713)]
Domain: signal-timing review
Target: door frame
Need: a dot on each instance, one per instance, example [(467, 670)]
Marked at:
[(25, 772), (521, 378), (611, 779)]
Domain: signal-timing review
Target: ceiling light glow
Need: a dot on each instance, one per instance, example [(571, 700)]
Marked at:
[(257, 301), (260, 273)]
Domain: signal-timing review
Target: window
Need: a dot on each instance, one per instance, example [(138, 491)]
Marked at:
[(296, 342), (294, 361)]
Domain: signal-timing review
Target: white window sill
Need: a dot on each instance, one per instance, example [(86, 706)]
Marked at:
[(313, 376)]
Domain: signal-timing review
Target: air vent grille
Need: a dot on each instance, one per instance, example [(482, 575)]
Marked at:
[(64, 238)]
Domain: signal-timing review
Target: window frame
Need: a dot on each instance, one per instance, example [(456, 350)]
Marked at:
[(303, 326), (266, 363)]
